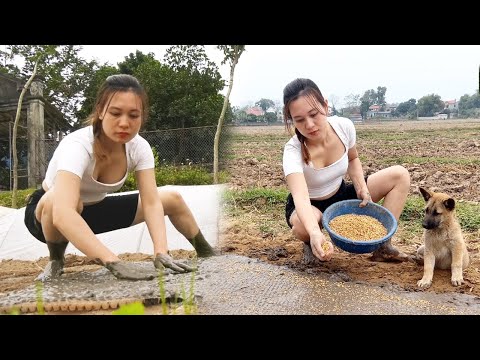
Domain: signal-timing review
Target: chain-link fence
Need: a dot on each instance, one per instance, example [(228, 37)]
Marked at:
[(174, 147), (6, 156), (187, 146)]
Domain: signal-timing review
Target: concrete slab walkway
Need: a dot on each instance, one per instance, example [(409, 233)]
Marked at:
[(231, 284)]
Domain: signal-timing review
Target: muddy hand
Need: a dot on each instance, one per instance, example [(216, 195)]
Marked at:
[(128, 271), (163, 261)]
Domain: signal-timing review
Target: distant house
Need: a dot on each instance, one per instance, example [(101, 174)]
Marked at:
[(391, 107), (374, 111), (450, 108), (256, 110), (451, 104)]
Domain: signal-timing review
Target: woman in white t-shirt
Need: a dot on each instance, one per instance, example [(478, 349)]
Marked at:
[(315, 161), (72, 206)]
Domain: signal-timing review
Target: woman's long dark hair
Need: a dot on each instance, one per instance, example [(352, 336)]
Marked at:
[(293, 90), (112, 85)]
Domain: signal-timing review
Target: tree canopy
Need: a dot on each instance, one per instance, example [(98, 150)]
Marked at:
[(265, 104), (429, 105), (183, 90), (65, 73)]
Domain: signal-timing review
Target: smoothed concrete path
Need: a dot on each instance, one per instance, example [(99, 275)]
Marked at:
[(231, 284)]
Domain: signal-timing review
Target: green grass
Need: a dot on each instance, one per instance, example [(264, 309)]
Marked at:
[(265, 209), (39, 296), (22, 196), (272, 196), (429, 160), (467, 213), (178, 175), (383, 136), (135, 308), (229, 156), (388, 135), (469, 216)]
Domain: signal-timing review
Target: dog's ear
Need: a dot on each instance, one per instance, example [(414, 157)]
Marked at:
[(449, 204), (425, 193)]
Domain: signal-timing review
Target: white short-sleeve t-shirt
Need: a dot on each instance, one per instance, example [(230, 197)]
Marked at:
[(323, 181), (75, 154)]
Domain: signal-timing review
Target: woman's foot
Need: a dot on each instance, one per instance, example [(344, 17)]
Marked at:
[(308, 257), (389, 253), (201, 246), (53, 270)]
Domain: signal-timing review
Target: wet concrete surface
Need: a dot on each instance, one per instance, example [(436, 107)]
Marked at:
[(231, 284)]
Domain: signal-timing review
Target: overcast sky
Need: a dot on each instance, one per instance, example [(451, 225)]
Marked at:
[(407, 71)]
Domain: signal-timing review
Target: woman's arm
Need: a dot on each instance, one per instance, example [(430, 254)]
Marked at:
[(67, 220), (155, 219), (152, 209), (298, 187), (355, 172)]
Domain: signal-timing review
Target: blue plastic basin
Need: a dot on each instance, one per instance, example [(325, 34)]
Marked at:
[(351, 207)]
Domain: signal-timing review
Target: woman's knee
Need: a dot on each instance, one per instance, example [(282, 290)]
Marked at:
[(175, 198), (44, 207), (298, 229), (402, 176), (172, 201)]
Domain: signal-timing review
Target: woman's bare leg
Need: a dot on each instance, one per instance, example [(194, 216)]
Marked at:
[(301, 233), (56, 243), (182, 219)]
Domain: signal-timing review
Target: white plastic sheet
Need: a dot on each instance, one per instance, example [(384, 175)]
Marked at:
[(203, 200)]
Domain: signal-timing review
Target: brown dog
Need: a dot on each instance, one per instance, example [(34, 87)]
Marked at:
[(444, 246)]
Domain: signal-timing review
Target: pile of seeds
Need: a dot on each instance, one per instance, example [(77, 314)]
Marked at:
[(358, 227)]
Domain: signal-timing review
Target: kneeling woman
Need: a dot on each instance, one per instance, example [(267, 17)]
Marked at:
[(72, 206), (315, 161)]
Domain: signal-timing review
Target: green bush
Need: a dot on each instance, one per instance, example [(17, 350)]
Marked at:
[(22, 196), (177, 175)]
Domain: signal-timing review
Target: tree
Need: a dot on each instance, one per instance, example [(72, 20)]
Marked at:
[(381, 91), (351, 101), (192, 88), (407, 108), (429, 105), (14, 136), (265, 104), (232, 54), (469, 106), (183, 89), (90, 92), (270, 117), (372, 97), (332, 102), (368, 99), (133, 61), (66, 74), (5, 58)]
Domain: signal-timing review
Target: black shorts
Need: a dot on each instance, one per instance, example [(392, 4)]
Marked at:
[(112, 213), (346, 191)]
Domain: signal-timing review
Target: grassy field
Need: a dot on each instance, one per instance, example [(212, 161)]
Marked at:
[(442, 155)]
